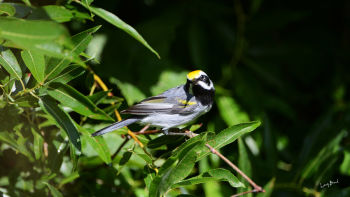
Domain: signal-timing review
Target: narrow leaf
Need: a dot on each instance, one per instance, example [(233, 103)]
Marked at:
[(53, 190), (9, 62), (243, 163), (116, 21), (98, 144), (58, 13), (230, 111), (218, 174), (7, 9), (268, 189), (67, 75), (175, 169), (36, 64), (228, 136), (131, 93), (63, 120), (69, 179), (38, 144), (70, 97), (80, 42), (31, 32)]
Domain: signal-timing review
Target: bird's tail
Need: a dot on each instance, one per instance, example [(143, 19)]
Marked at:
[(115, 126)]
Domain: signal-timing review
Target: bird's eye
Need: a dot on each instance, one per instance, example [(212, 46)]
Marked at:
[(205, 79)]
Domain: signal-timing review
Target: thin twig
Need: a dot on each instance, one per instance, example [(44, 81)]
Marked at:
[(120, 148), (147, 132)]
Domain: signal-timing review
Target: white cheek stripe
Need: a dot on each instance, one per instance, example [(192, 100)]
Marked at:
[(205, 85)]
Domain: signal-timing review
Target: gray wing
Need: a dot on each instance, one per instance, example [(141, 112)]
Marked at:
[(174, 100)]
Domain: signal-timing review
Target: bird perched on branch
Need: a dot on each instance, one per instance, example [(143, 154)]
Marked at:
[(172, 108)]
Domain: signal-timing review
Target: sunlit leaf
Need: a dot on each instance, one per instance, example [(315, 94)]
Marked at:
[(7, 9), (53, 190), (98, 144), (58, 13), (30, 32), (70, 97), (167, 80), (67, 75), (9, 62), (230, 111), (35, 62), (38, 144), (131, 93), (80, 42)]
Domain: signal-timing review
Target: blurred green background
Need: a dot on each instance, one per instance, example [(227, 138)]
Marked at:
[(285, 63)]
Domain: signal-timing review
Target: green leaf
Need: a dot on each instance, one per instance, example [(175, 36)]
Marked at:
[(80, 42), (243, 163), (70, 97), (98, 144), (38, 144), (150, 174), (209, 188), (7, 9), (53, 190), (228, 136), (8, 139), (164, 140), (69, 179), (175, 169), (268, 189), (230, 111), (31, 32), (325, 153), (97, 97), (345, 166), (67, 75), (168, 79), (73, 156), (126, 157), (9, 62), (116, 21), (63, 120), (218, 174), (36, 64), (145, 157), (131, 93), (58, 13)]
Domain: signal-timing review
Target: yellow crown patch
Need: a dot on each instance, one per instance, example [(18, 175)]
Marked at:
[(194, 74)]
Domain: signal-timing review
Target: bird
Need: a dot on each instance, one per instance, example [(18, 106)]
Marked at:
[(173, 108)]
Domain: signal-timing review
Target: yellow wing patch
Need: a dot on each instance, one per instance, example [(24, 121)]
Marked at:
[(194, 74), (184, 102)]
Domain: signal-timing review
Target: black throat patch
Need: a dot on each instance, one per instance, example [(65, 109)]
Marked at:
[(206, 97)]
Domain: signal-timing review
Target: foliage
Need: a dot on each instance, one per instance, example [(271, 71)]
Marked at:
[(58, 59)]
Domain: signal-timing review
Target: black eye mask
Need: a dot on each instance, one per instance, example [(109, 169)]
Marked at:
[(205, 79)]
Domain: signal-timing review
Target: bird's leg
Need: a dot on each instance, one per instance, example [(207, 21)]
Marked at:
[(172, 131), (176, 131)]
